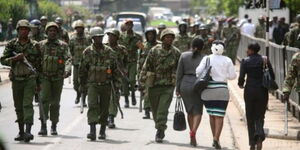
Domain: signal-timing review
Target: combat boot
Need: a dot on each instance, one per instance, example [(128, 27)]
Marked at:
[(53, 129), (160, 134), (43, 130), (147, 113), (102, 135), (126, 102), (111, 122), (20, 136), (77, 100), (92, 134), (27, 135), (133, 100)]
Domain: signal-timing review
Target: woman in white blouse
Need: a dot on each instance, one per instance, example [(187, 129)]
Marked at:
[(216, 95)]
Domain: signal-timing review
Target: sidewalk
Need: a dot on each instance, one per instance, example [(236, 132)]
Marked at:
[(274, 121), (4, 76)]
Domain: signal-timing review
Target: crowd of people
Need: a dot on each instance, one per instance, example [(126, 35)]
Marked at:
[(44, 53)]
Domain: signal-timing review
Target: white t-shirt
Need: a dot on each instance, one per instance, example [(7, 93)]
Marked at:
[(222, 68), (248, 29)]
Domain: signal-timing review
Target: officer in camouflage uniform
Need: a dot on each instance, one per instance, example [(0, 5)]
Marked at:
[(160, 28), (231, 36), (56, 65), (194, 29), (260, 30), (150, 42), (98, 69), (78, 42), (159, 75), (203, 33), (130, 40), (182, 39), (294, 34), (23, 78), (44, 21), (63, 33), (122, 59)]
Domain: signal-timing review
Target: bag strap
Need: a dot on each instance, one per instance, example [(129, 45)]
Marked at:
[(178, 104), (207, 64)]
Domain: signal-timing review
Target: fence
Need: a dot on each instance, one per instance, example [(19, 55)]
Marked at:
[(280, 57)]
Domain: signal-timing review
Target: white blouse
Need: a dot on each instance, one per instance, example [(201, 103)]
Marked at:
[(222, 68)]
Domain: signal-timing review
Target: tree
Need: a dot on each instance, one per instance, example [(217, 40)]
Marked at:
[(15, 9), (50, 9)]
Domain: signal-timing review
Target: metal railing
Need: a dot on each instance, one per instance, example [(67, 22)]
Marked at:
[(280, 57)]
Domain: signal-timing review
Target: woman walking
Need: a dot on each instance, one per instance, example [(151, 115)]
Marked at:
[(256, 96), (216, 95), (186, 77)]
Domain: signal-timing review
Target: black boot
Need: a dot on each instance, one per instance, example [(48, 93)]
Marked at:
[(43, 130), (92, 134), (147, 113), (160, 134), (84, 100), (102, 135), (77, 100), (20, 136), (53, 129), (111, 122), (27, 135), (126, 102), (216, 145), (133, 100)]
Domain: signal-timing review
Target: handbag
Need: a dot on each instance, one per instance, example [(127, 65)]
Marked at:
[(202, 81), (179, 123), (267, 81)]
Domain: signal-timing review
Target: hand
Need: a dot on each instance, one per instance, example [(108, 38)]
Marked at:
[(140, 45), (66, 74), (286, 97), (18, 57)]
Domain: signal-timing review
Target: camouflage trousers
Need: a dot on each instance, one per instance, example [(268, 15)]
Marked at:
[(145, 97), (23, 92), (75, 78)]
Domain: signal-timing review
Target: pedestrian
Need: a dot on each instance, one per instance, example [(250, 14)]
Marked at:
[(216, 96), (256, 96), (130, 40), (260, 29), (98, 70), (56, 66), (62, 34), (185, 78), (293, 42), (248, 28), (79, 40), (23, 77), (182, 39), (280, 31), (159, 75)]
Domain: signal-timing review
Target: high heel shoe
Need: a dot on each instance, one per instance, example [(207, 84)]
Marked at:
[(193, 138)]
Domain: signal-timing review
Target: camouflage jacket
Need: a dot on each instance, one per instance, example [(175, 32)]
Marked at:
[(38, 37), (293, 35), (19, 70), (56, 59), (98, 66), (231, 35), (260, 31), (130, 42), (293, 75), (77, 45), (142, 55), (207, 43), (182, 42), (161, 64), (63, 35)]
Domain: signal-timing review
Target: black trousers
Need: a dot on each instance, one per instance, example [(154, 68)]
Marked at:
[(256, 100)]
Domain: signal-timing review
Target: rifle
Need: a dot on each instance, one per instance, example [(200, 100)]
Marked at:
[(122, 72), (113, 91)]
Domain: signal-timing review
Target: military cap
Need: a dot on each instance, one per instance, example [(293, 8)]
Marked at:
[(59, 20), (78, 24), (182, 23), (43, 18), (51, 24), (128, 21), (114, 32), (23, 23), (166, 32), (35, 23), (96, 31), (162, 26)]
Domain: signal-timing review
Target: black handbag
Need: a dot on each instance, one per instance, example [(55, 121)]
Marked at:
[(267, 81), (179, 123), (202, 81)]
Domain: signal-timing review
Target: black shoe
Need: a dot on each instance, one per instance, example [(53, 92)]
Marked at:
[(36, 98), (160, 134), (147, 113), (216, 145), (53, 129), (20, 136), (92, 134), (27, 135), (77, 100), (102, 135), (133, 100), (111, 122), (126, 102), (43, 131)]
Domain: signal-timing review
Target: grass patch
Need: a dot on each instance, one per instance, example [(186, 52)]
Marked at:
[(155, 23)]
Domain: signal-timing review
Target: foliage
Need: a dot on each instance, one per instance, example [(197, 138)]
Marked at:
[(81, 11), (50, 9), (15, 9), (294, 6)]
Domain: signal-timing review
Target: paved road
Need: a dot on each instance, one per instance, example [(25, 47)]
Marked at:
[(132, 132)]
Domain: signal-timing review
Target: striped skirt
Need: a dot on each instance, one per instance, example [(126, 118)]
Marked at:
[(215, 98)]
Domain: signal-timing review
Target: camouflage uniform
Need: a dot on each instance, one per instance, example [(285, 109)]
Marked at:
[(63, 35), (260, 31), (182, 40), (294, 34), (207, 43), (158, 74), (293, 76), (23, 79), (231, 36)]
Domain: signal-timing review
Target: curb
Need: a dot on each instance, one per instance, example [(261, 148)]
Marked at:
[(271, 133)]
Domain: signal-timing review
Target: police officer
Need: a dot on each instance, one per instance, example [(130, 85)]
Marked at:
[(294, 34), (150, 42), (56, 65), (203, 33), (130, 40), (158, 74), (44, 21), (35, 33), (122, 59), (194, 28), (160, 28), (62, 34), (21, 53), (260, 31), (182, 39), (98, 70), (78, 42)]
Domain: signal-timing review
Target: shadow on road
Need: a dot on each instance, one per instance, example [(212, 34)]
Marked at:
[(35, 143)]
